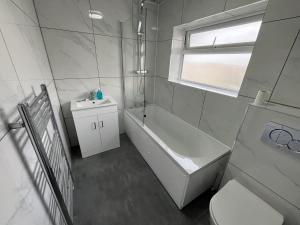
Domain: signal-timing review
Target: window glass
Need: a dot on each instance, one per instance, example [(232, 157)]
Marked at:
[(229, 34), (221, 70), (216, 57), (205, 38)]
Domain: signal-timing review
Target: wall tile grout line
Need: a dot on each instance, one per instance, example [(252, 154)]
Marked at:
[(159, 76), (277, 103), (35, 22), (95, 48), (169, 39), (182, 10), (288, 18), (76, 78), (240, 128), (19, 81), (87, 78), (202, 109), (66, 30), (24, 25), (156, 52), (173, 93), (285, 61), (245, 96), (161, 1), (264, 22), (4, 135), (11, 59), (244, 172), (90, 33), (224, 9)]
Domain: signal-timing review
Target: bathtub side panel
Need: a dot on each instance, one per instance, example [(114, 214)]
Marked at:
[(204, 179), (133, 131), (170, 175)]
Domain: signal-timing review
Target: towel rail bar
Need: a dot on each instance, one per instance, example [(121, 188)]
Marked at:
[(38, 119)]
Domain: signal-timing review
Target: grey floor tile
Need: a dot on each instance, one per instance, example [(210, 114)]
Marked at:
[(117, 187)]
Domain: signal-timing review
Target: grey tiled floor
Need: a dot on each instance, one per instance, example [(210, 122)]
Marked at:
[(117, 187)]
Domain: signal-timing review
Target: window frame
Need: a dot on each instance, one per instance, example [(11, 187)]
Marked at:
[(239, 21), (242, 47)]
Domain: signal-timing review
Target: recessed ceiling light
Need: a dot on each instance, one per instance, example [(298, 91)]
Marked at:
[(95, 14)]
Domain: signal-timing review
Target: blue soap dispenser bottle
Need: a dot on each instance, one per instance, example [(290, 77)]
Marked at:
[(99, 95)]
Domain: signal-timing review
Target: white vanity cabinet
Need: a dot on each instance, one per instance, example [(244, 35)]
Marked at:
[(97, 125)]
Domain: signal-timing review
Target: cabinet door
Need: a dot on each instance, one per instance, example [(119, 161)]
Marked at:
[(109, 130), (88, 135)]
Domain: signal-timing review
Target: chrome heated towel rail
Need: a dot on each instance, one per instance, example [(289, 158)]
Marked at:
[(38, 119)]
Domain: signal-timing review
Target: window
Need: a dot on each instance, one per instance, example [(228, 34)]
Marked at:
[(215, 58)]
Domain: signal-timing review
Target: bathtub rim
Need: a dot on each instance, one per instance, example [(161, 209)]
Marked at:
[(163, 145), (203, 132)]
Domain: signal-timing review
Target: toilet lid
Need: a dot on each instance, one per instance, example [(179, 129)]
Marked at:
[(234, 205)]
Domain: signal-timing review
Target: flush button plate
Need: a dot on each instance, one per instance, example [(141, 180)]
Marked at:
[(281, 137)]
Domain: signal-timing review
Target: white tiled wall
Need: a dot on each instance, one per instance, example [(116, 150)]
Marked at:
[(12, 13), (20, 201), (267, 60), (289, 79), (109, 56), (27, 51), (231, 4), (195, 9), (222, 116), (274, 66), (130, 60), (164, 91), (163, 58), (71, 54), (203, 112), (273, 170), (10, 88), (189, 110), (149, 89), (112, 87), (86, 54), (67, 15), (279, 10), (172, 12), (74, 89), (25, 63), (24, 67), (113, 12)]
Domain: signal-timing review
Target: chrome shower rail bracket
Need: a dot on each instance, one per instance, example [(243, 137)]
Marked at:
[(16, 125)]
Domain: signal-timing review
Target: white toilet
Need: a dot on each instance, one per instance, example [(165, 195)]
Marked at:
[(236, 205)]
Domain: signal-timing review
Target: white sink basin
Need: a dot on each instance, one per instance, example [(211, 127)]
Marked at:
[(84, 104), (87, 103)]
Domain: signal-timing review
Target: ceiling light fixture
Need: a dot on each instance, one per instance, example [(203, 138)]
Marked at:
[(95, 14)]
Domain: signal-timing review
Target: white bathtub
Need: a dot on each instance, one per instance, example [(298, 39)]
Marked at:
[(186, 160)]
